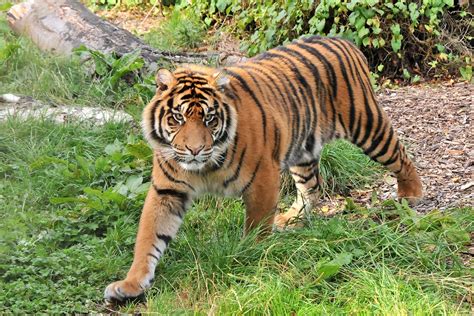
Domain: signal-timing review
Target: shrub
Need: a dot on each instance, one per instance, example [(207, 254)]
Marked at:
[(400, 38)]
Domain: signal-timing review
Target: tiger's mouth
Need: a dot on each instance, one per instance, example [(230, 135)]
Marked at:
[(193, 163)]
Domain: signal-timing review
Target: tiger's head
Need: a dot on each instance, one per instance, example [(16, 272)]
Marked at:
[(189, 119)]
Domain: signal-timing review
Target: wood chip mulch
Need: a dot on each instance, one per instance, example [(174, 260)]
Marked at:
[(434, 122)]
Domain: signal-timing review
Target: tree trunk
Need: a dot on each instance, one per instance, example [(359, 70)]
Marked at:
[(62, 25)]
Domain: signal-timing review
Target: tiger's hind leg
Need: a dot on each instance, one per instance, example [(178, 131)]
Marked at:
[(385, 148), (308, 183)]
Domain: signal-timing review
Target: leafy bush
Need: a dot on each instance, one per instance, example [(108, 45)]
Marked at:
[(404, 37)]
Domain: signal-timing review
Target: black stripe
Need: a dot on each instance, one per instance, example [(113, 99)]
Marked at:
[(192, 80), (309, 120), (181, 196), (365, 85), (157, 249), (246, 87), (308, 164), (353, 48), (385, 148), (175, 193), (286, 96), (375, 141), (341, 121), (276, 145), (170, 166), (165, 238), (234, 150), (207, 90), (172, 179), (347, 82), (305, 178), (309, 91), (152, 255), (331, 74), (249, 183), (161, 114), (393, 158), (296, 133), (154, 134), (295, 130), (236, 174), (309, 143), (220, 162), (358, 126), (224, 111), (262, 73)]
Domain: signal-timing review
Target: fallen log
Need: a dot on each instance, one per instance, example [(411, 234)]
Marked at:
[(60, 26)]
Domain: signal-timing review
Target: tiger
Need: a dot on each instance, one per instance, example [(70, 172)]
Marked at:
[(232, 130)]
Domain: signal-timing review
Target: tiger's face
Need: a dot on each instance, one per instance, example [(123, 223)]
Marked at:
[(189, 119)]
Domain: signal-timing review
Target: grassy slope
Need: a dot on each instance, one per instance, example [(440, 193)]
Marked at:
[(58, 257), (70, 198)]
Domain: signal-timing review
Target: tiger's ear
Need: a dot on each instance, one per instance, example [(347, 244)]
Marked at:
[(164, 78), (221, 79)]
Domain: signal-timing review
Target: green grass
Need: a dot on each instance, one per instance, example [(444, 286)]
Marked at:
[(24, 70), (71, 197), (181, 30)]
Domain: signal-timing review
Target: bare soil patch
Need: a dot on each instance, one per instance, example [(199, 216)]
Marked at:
[(137, 21)]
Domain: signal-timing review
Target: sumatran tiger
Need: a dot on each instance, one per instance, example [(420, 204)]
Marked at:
[(231, 131)]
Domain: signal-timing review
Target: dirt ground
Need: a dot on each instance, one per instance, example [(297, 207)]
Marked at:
[(434, 122), (133, 20)]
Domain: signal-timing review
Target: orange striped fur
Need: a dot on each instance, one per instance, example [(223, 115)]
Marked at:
[(231, 132)]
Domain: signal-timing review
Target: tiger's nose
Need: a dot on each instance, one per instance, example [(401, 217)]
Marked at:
[(195, 150)]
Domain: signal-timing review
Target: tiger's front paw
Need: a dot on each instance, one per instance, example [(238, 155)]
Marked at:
[(288, 220), (123, 290)]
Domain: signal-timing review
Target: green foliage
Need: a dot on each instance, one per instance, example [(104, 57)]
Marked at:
[(56, 257), (345, 167), (181, 30), (111, 67), (119, 73), (398, 34)]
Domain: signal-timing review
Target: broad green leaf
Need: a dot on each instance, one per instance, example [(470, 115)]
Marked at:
[(139, 150), (395, 28), (320, 25), (112, 148), (449, 3), (328, 270), (363, 32), (396, 44), (133, 182)]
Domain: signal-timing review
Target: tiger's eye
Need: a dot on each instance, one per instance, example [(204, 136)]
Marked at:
[(178, 117), (209, 118)]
